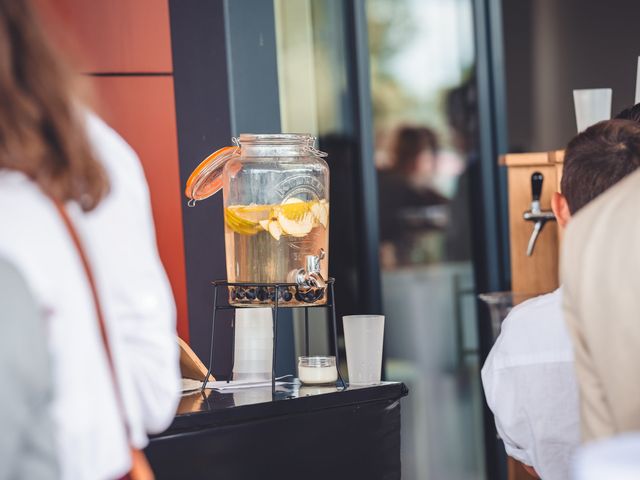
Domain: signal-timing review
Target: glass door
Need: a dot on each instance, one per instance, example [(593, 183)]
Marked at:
[(423, 90), (396, 109)]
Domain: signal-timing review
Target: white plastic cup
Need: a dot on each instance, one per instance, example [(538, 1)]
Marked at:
[(253, 348), (364, 336), (592, 106)]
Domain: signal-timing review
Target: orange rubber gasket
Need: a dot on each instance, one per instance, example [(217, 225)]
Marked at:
[(206, 179)]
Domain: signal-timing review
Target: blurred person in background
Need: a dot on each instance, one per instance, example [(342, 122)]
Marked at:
[(27, 449), (461, 103), (404, 186), (77, 225), (529, 376)]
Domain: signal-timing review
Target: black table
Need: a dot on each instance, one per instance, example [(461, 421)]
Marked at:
[(299, 433)]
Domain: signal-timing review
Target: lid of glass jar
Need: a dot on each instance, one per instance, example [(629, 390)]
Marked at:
[(206, 179)]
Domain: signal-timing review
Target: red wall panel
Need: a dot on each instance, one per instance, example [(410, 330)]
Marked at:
[(112, 35), (142, 110)]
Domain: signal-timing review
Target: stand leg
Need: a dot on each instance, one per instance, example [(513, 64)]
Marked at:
[(213, 328), (233, 347), (335, 337), (275, 343), (306, 331)]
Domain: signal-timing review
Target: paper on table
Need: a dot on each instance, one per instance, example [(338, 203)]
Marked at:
[(240, 384), (189, 385)]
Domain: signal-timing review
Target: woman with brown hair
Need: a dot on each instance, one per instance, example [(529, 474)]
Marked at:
[(75, 220), (404, 186)]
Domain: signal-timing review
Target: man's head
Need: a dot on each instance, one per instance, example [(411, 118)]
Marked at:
[(631, 113), (594, 161)]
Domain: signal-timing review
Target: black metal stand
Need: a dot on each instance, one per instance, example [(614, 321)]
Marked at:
[(275, 306)]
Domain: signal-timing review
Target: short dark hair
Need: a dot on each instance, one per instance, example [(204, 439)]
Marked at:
[(631, 113), (598, 158)]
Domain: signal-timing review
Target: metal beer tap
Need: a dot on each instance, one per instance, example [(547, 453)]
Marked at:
[(536, 215)]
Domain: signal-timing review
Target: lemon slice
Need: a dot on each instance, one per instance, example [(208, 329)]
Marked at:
[(320, 211), (275, 230), (243, 220), (294, 208), (273, 227), (252, 213), (294, 217), (296, 228)]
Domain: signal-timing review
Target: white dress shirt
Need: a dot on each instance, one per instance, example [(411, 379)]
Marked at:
[(139, 312), (531, 388), (615, 458)]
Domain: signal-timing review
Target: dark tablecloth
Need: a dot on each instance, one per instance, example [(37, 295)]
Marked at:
[(300, 433)]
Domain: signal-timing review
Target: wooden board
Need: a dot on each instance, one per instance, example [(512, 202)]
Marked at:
[(538, 273), (525, 159), (190, 364), (557, 156)]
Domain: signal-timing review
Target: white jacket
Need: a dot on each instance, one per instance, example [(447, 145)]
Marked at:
[(139, 312)]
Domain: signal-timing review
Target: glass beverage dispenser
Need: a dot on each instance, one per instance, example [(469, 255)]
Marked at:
[(276, 217)]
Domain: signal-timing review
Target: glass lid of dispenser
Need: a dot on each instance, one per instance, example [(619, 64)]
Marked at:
[(206, 179)]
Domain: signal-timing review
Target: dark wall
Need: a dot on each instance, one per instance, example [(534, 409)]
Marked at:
[(553, 47), (204, 124), (226, 83), (518, 52)]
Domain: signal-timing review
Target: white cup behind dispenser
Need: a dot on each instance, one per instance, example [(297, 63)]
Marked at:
[(592, 106), (253, 344)]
